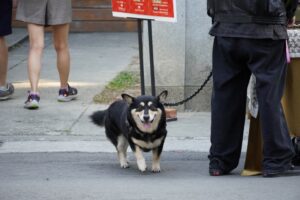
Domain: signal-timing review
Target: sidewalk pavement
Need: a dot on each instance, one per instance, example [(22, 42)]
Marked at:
[(96, 58)]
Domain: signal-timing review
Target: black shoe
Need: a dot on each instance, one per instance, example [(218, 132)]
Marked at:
[(273, 174), (215, 168), (296, 160), (296, 144)]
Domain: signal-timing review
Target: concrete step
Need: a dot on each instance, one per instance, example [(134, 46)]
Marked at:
[(18, 35)]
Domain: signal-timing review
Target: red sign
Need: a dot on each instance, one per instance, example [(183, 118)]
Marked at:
[(162, 10)]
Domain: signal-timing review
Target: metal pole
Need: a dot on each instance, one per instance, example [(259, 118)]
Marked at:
[(141, 55), (151, 58)]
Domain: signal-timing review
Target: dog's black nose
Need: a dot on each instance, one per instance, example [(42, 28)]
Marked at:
[(146, 118)]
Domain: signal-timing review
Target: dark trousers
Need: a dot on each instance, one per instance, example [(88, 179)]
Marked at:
[(234, 59)]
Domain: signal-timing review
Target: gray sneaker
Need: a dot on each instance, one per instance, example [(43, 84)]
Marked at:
[(7, 93)]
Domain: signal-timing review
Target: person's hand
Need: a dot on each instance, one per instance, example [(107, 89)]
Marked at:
[(15, 3), (292, 22)]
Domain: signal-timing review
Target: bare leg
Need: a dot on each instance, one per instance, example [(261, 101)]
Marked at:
[(61, 44), (3, 61), (36, 39)]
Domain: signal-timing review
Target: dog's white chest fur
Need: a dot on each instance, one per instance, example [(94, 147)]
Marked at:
[(148, 145)]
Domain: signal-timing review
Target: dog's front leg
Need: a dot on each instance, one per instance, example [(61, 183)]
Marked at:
[(156, 160), (141, 163)]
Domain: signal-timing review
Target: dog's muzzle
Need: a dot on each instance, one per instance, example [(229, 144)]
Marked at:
[(147, 121)]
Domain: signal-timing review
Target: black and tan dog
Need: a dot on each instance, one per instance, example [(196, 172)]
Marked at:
[(139, 122)]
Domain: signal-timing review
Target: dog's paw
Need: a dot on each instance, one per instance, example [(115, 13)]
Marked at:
[(142, 165), (124, 165), (155, 168), (142, 168)]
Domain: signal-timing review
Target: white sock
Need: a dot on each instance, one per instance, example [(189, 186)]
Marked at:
[(65, 88), (34, 93)]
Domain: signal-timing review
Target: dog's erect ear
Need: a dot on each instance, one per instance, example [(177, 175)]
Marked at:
[(129, 99), (162, 96)]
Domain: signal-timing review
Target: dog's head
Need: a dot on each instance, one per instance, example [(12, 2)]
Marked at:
[(147, 112)]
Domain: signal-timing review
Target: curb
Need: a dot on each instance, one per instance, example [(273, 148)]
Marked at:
[(201, 144), (18, 36), (13, 46)]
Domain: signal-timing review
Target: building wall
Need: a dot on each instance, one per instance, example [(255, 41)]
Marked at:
[(182, 55)]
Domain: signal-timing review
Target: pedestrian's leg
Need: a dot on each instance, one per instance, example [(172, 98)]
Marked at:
[(231, 77), (61, 44), (36, 38), (269, 66), (3, 62), (6, 89), (5, 29)]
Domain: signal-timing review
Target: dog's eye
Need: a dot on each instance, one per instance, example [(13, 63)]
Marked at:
[(140, 108), (153, 108)]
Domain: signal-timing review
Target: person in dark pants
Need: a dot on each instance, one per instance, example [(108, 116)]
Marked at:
[(250, 37)]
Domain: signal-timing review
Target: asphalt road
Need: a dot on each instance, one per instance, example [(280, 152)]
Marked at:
[(86, 176)]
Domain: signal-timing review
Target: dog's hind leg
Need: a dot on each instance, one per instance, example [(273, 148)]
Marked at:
[(122, 151)]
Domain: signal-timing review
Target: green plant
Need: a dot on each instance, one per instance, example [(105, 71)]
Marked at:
[(123, 80), (126, 81)]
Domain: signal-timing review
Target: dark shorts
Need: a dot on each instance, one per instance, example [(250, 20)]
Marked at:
[(5, 17)]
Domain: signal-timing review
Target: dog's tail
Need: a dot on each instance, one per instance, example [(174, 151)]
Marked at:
[(99, 117)]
